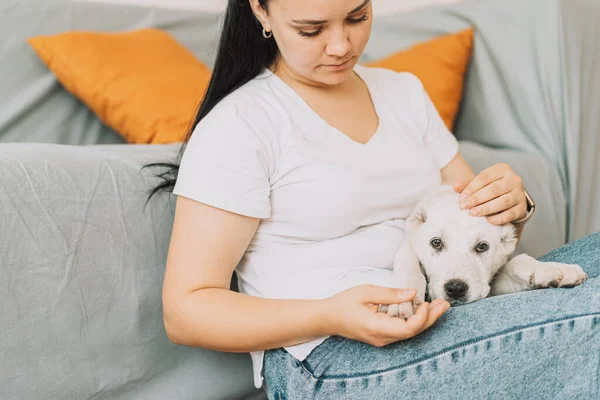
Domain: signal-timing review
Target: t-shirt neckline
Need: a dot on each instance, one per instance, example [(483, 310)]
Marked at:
[(302, 103)]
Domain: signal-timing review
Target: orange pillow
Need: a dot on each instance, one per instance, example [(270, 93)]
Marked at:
[(143, 84), (147, 87), (440, 64)]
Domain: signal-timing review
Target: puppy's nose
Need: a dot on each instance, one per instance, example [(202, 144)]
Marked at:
[(456, 288)]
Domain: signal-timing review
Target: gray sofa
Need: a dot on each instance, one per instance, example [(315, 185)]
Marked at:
[(82, 257)]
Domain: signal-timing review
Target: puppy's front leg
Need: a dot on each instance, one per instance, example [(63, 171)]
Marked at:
[(407, 275), (526, 273)]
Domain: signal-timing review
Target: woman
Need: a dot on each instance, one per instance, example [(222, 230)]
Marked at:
[(300, 171)]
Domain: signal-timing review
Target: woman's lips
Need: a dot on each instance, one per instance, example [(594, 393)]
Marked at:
[(339, 67)]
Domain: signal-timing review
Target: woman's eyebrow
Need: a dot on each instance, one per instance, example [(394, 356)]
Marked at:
[(321, 22)]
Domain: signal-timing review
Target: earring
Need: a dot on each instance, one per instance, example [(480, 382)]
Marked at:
[(267, 36)]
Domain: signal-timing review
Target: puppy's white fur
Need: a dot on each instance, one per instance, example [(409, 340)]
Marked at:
[(452, 255)]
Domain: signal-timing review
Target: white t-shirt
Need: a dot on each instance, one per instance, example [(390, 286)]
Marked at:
[(332, 209)]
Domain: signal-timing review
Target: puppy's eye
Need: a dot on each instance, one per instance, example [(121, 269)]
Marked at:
[(481, 247), (436, 243)]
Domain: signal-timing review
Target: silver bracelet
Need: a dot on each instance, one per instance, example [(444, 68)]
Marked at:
[(530, 209)]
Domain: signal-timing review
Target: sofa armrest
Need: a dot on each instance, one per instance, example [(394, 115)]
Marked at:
[(81, 270)]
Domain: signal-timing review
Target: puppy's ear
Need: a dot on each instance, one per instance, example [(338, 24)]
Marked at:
[(508, 243), (508, 238), (417, 217), (408, 272)]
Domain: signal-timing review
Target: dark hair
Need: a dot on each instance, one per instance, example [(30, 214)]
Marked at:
[(242, 53)]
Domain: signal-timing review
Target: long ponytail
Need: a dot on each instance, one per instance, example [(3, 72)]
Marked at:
[(242, 54)]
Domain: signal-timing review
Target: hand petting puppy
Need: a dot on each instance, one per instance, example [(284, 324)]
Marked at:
[(496, 192)]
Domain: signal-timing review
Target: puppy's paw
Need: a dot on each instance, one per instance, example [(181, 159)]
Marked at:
[(402, 310), (556, 275)]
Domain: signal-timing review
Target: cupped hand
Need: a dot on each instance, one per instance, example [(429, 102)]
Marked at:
[(353, 314)]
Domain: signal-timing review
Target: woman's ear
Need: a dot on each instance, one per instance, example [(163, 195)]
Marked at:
[(260, 14)]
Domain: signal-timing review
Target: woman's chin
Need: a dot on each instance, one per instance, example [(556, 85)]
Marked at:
[(331, 77)]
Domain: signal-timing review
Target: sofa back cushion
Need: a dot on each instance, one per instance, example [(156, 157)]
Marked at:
[(34, 106)]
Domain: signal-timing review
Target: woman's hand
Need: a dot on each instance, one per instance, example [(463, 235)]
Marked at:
[(353, 314), (497, 191)]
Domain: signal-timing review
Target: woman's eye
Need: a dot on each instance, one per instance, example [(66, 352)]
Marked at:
[(481, 247), (310, 34), (358, 20), (436, 243), (350, 21)]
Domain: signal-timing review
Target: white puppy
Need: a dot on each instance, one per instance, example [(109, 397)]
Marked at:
[(452, 255)]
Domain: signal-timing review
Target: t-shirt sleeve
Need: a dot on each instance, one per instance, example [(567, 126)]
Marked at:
[(226, 164), (436, 135)]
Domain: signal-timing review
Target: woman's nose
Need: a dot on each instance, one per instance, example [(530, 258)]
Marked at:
[(339, 44)]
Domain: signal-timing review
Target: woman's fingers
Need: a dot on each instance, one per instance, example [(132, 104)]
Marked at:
[(415, 324), (509, 215), (496, 205), (435, 313), (384, 295), (493, 191), (395, 329), (484, 178), (496, 190), (460, 186)]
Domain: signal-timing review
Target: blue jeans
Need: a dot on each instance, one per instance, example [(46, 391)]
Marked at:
[(539, 344)]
